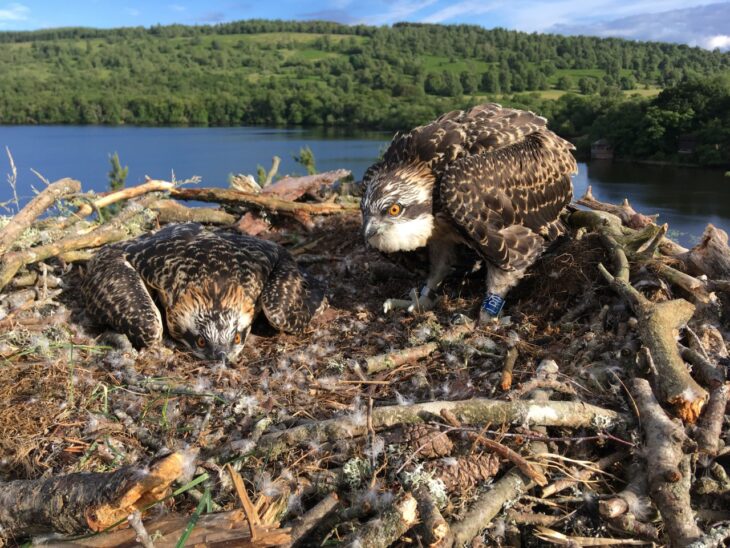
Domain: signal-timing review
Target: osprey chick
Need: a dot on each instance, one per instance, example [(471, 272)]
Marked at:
[(493, 178), (207, 285)]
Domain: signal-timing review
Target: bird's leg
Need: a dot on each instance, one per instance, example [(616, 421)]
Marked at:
[(499, 282), (441, 254)]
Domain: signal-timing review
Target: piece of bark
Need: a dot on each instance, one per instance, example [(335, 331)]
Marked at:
[(82, 502), (433, 528), (388, 527), (472, 411), (170, 211), (34, 209), (509, 364), (291, 188), (221, 529), (270, 203), (628, 215), (251, 224), (668, 472), (711, 256)]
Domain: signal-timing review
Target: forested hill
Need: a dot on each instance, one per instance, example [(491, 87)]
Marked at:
[(320, 73)]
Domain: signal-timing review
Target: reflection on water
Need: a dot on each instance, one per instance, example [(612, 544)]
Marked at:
[(685, 198)]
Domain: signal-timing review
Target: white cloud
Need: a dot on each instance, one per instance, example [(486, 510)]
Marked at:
[(177, 7), (134, 12), (14, 12), (721, 41), (400, 10), (469, 7)]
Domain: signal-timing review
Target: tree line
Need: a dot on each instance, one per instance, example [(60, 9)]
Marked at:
[(322, 73)]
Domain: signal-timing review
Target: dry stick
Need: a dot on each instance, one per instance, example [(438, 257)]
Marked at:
[(83, 502), (394, 359), (112, 231), (509, 364), (302, 527), (125, 194), (25, 217), (434, 529), (230, 196), (291, 188), (503, 451), (584, 475), (658, 323), (669, 472), (472, 411), (629, 524), (387, 528), (509, 488), (170, 211)]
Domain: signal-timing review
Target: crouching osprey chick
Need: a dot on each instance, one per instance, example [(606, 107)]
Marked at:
[(208, 285), (492, 178)]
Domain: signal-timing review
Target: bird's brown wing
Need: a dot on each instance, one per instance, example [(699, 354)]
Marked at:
[(290, 298), (506, 201), (458, 134), (115, 295)]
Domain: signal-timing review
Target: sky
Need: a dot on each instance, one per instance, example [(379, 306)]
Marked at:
[(694, 22)]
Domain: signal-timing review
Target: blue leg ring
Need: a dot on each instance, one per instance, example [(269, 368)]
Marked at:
[(492, 304)]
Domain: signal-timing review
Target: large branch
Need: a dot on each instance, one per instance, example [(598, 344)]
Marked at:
[(230, 196), (126, 224), (55, 191), (668, 468), (628, 215), (170, 211), (473, 411), (83, 502)]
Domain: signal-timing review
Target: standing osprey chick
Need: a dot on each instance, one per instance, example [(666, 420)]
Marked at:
[(493, 178), (207, 285)]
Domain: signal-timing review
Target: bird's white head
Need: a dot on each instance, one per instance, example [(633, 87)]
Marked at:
[(397, 209), (211, 322)]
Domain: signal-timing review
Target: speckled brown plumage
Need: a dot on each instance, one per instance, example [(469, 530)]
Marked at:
[(493, 178), (201, 283)]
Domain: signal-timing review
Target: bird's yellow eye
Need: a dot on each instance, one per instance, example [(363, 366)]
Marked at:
[(200, 341), (237, 339), (394, 210)]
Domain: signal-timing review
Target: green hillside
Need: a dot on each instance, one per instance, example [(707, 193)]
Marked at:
[(276, 72), (319, 73)]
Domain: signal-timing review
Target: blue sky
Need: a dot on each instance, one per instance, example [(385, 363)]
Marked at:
[(695, 22)]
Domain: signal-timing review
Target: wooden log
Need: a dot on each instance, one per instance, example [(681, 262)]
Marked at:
[(668, 469), (170, 211), (388, 526), (82, 502), (472, 411), (433, 529), (35, 208), (230, 196), (302, 527)]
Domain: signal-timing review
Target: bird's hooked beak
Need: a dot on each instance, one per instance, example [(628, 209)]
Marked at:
[(370, 230)]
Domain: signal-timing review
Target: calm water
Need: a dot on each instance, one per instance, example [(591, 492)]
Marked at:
[(685, 198)]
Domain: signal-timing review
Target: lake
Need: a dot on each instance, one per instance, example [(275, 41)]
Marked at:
[(686, 198)]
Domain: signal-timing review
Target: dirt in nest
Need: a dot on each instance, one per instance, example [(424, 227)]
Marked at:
[(72, 401)]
